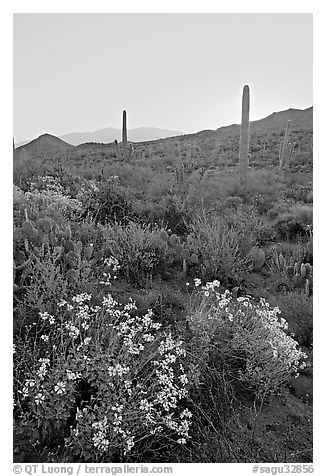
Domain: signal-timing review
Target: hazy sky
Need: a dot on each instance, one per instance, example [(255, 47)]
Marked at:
[(77, 72)]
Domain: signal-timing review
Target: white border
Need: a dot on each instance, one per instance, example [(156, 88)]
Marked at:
[(168, 6)]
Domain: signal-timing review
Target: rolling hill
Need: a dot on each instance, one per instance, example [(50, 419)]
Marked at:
[(42, 145)]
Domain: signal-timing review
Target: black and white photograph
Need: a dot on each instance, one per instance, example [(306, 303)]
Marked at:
[(162, 241)]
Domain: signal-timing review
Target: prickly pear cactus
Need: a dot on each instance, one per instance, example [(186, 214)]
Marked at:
[(164, 236), (174, 240), (72, 275), (28, 229), (180, 249), (89, 251), (69, 246), (194, 259), (72, 259), (78, 247), (301, 276)]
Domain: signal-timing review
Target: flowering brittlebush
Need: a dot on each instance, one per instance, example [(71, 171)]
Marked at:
[(251, 333), (132, 372)]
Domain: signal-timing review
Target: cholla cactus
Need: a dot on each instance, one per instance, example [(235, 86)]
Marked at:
[(244, 137)]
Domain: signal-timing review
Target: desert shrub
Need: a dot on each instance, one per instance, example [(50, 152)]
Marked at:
[(278, 208), (48, 272), (138, 248), (299, 193), (223, 248), (49, 261), (98, 381), (168, 211), (295, 223), (297, 308), (301, 159), (50, 201), (108, 202), (245, 219), (27, 169), (264, 188), (292, 253), (247, 338), (167, 304), (177, 213)]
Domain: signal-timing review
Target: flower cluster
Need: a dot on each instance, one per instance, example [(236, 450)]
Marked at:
[(256, 335), (112, 269), (133, 371), (47, 194)]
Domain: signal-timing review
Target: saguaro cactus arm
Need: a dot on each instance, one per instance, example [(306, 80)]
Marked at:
[(244, 136), (118, 153)]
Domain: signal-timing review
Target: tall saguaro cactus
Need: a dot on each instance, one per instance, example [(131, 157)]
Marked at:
[(127, 150), (285, 145), (124, 134), (244, 137)]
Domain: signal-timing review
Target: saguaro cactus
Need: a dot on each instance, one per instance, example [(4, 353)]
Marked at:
[(127, 150), (244, 137), (289, 155), (124, 134), (285, 145), (280, 151)]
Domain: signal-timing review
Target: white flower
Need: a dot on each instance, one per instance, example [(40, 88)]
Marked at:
[(72, 375), (44, 315), (197, 282), (45, 338), (39, 398), (130, 443), (145, 405), (148, 338), (60, 388), (186, 414)]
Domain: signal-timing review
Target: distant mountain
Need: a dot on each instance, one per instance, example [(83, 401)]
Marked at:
[(300, 118), (42, 145), (109, 134)]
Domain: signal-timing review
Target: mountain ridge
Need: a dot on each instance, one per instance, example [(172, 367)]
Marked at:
[(274, 121), (109, 134)]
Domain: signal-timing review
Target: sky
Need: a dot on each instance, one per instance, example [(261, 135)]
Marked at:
[(77, 72)]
